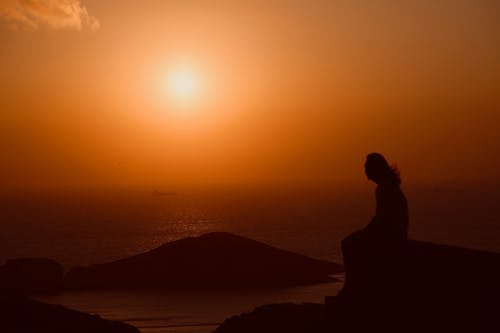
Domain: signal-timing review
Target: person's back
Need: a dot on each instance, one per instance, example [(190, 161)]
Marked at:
[(391, 215)]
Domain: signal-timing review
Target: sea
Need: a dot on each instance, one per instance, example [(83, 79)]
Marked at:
[(97, 225)]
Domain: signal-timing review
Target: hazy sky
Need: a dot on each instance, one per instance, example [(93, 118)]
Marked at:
[(286, 91)]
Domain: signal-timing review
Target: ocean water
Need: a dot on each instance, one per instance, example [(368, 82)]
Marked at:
[(78, 227), (184, 311)]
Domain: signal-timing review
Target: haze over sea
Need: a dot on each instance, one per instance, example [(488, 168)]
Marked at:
[(79, 227)]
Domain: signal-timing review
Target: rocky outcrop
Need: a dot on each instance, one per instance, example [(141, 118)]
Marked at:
[(415, 287), (415, 269), (31, 275), (217, 259), (19, 314), (287, 317)]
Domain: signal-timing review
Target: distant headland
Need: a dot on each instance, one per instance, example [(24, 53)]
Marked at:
[(213, 260)]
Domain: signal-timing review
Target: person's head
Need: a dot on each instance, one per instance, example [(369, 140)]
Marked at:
[(378, 170)]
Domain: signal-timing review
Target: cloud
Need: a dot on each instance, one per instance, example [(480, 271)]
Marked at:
[(55, 14)]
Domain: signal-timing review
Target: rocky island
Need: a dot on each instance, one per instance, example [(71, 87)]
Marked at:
[(213, 260)]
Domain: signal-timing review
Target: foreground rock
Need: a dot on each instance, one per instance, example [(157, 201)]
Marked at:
[(212, 260), (422, 288), (19, 314), (31, 275), (286, 318)]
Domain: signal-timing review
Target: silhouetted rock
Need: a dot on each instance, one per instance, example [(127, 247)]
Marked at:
[(286, 318), (31, 275), (19, 314), (421, 268), (212, 260), (433, 287), (428, 288)]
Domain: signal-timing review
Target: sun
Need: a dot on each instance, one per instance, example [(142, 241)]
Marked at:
[(182, 84)]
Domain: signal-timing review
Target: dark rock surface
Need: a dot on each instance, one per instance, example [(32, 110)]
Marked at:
[(277, 318), (421, 287), (31, 275), (19, 314), (212, 260)]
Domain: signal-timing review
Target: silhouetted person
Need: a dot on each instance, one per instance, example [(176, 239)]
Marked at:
[(391, 217), (377, 245)]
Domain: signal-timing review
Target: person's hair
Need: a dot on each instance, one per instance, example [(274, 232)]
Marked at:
[(381, 170)]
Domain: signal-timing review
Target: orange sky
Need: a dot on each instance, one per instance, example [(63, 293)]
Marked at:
[(288, 91)]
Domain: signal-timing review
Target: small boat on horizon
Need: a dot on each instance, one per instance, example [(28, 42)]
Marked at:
[(156, 193)]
